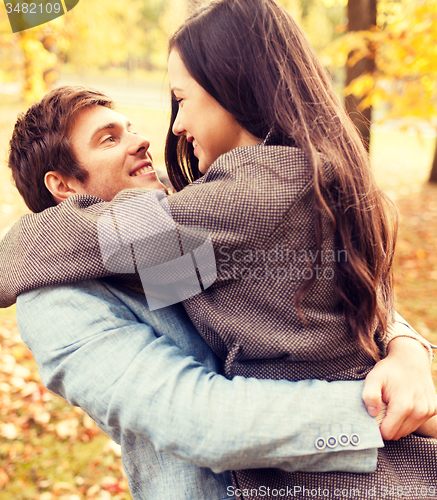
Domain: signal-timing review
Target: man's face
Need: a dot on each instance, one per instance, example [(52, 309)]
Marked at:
[(115, 158)]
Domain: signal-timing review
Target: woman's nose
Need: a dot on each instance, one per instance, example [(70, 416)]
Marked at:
[(177, 127)]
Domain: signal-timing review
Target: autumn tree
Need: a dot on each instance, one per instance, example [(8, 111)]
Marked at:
[(404, 80), (433, 174), (361, 16), (104, 32), (93, 34), (30, 56), (40, 62)]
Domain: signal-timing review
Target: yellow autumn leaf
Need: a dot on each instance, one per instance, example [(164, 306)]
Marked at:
[(405, 76), (361, 86)]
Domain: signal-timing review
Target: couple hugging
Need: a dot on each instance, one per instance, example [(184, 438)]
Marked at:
[(246, 387)]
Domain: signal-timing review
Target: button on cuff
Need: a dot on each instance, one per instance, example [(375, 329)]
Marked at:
[(320, 443), (331, 442), (344, 439), (355, 440)]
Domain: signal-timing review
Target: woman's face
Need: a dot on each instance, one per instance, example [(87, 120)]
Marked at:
[(209, 127)]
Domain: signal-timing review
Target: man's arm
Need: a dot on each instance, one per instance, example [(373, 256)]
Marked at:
[(92, 350), (42, 249)]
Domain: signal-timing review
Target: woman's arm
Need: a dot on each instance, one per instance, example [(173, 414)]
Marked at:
[(428, 429)]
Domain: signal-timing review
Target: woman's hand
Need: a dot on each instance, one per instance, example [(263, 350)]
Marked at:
[(403, 380), (428, 429)]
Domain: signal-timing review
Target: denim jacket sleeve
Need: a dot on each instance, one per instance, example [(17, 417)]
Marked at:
[(131, 371)]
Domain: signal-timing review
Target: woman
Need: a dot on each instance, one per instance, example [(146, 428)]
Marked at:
[(291, 178)]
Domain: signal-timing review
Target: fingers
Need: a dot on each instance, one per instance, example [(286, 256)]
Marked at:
[(404, 417), (403, 380), (372, 394), (406, 409), (397, 422)]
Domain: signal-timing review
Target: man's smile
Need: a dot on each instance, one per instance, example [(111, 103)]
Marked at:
[(144, 168)]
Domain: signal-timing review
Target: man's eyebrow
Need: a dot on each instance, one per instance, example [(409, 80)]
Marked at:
[(108, 126)]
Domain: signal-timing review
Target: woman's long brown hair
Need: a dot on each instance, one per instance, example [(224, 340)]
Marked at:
[(257, 63)]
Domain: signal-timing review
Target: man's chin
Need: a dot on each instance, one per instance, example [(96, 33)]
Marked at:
[(152, 185)]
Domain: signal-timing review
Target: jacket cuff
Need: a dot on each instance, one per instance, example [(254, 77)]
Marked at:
[(400, 328)]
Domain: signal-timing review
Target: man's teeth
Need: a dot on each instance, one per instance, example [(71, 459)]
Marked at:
[(142, 170)]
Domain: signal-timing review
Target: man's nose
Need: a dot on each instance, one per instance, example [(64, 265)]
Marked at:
[(139, 144)]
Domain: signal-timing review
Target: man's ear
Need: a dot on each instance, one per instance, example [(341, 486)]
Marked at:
[(60, 186)]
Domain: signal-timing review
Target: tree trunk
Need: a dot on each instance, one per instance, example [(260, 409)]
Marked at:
[(433, 175), (362, 16)]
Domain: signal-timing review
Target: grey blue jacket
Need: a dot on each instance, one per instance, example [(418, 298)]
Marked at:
[(151, 383)]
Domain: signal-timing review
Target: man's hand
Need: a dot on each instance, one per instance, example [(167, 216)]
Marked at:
[(402, 380)]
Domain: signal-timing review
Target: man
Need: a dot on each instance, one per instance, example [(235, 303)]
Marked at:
[(99, 346)]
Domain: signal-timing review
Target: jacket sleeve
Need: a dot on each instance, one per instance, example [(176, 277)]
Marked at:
[(63, 244), (49, 248), (81, 239), (128, 379), (400, 328)]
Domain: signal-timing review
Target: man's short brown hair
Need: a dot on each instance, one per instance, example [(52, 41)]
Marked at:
[(40, 142)]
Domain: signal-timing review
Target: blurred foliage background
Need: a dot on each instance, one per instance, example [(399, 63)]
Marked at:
[(49, 450)]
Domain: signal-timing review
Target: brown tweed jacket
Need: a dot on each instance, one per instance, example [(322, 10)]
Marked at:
[(257, 205)]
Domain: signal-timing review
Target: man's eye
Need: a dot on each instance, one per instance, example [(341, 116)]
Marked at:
[(111, 138)]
